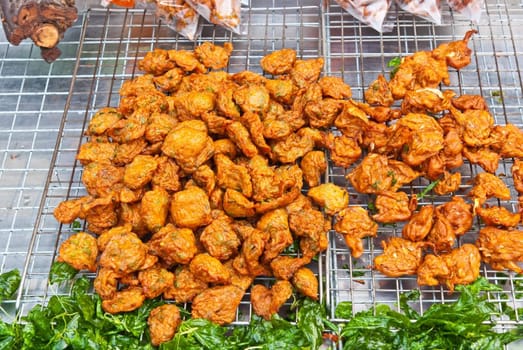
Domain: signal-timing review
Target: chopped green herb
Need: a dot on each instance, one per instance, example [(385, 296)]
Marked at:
[(61, 272), (455, 325), (292, 249), (343, 310), (372, 208), (76, 226), (345, 266), (395, 65), (518, 286), (9, 283), (375, 184), (427, 189)]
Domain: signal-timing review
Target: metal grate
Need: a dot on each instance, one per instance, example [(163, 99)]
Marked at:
[(110, 44), (45, 109), (357, 54)]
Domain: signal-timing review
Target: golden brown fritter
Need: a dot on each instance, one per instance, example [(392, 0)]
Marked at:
[(330, 197), (158, 126), (154, 208), (507, 140), (219, 238), (100, 179), (281, 90), (186, 60), (293, 147), (140, 171), (322, 114), (442, 235), (392, 207), (419, 225), (236, 205), (345, 150), (276, 224), (456, 53), (334, 87), (170, 80), (400, 257), (498, 216), (284, 267), (306, 72), (448, 184), (484, 157), (476, 125), (186, 286), (209, 269), (501, 249), (418, 71), (517, 175), (252, 249), (96, 151), (313, 165), (231, 175), (466, 101), (126, 300), (354, 223), (487, 185), (79, 251), (205, 178), (217, 304), (278, 62), (189, 144), (460, 266), (67, 211), (103, 120), (378, 93), (427, 100), (252, 98), (166, 174), (124, 253), (213, 56), (163, 321), (190, 208), (155, 280), (241, 138), (173, 245), (266, 302), (306, 283), (156, 62), (459, 214), (106, 283), (372, 174), (131, 214)]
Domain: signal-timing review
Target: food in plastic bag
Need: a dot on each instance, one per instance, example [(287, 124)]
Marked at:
[(181, 17), (429, 10), (471, 9), (221, 12), (370, 12)]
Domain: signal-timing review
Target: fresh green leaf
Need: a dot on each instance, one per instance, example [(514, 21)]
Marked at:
[(343, 310), (457, 325), (61, 272), (394, 63), (9, 283), (76, 226), (427, 189)]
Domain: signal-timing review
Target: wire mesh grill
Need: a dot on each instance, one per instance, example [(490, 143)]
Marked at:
[(111, 43), (357, 54), (101, 51)]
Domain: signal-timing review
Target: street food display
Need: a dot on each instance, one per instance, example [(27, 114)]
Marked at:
[(200, 181)]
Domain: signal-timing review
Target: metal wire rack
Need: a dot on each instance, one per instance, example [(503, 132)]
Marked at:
[(45, 109), (358, 55)]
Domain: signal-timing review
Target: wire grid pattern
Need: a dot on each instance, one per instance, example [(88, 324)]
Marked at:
[(357, 54), (111, 43), (33, 94)]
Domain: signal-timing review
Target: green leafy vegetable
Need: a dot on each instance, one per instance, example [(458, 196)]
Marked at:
[(61, 272), (427, 189), (394, 63), (76, 226), (457, 325), (9, 283), (343, 310)]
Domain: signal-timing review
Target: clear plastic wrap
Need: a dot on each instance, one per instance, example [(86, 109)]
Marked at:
[(177, 14), (429, 10), (471, 9), (371, 12), (181, 17), (226, 13)]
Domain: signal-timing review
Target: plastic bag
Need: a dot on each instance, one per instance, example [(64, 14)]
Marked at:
[(471, 9), (371, 12), (226, 13), (429, 10), (181, 17)]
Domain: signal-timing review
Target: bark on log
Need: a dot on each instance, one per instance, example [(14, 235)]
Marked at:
[(44, 21)]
